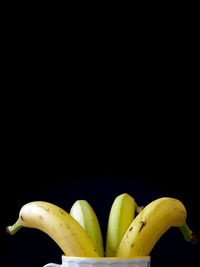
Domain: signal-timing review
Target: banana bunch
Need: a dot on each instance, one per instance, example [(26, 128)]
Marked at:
[(131, 231)]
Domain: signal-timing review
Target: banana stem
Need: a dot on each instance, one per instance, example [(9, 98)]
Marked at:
[(138, 208), (14, 228), (188, 234)]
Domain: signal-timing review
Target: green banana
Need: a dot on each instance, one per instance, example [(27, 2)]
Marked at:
[(121, 215), (84, 214)]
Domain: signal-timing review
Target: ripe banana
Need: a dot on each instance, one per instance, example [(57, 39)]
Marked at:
[(84, 214), (59, 225), (150, 224), (121, 215)]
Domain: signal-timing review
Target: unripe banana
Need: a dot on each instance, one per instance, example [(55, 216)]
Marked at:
[(84, 214), (121, 215), (149, 225), (59, 225)]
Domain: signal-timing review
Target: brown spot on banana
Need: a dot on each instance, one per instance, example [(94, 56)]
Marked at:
[(61, 211), (143, 223)]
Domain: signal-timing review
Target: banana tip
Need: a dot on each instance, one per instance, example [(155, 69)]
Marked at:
[(194, 239), (7, 230)]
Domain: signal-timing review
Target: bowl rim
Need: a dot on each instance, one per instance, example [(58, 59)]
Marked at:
[(102, 259)]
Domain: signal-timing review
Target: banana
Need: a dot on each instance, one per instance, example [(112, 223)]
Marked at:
[(84, 214), (59, 225), (150, 224), (121, 215)]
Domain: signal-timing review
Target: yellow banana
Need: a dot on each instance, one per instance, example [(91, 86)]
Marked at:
[(150, 224), (121, 215), (59, 225), (84, 214)]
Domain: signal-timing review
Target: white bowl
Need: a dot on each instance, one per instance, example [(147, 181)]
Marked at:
[(102, 262)]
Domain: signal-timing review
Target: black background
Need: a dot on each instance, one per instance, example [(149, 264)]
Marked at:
[(36, 248), (125, 120)]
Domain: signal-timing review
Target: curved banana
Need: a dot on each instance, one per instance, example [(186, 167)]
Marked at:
[(149, 225), (84, 214), (121, 215), (59, 225)]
